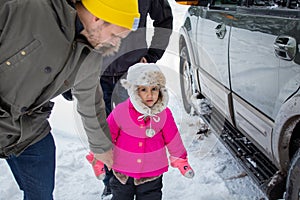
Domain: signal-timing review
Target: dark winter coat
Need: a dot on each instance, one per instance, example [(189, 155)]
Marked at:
[(39, 59), (134, 47)]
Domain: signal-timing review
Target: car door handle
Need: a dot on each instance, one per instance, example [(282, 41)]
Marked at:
[(220, 30), (285, 47)]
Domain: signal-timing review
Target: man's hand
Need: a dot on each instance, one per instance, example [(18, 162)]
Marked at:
[(106, 158)]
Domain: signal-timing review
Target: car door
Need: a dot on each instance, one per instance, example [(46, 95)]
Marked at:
[(261, 77), (213, 33)]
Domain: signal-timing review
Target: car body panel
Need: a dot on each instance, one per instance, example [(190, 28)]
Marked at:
[(213, 59), (217, 93), (242, 74), (257, 74)]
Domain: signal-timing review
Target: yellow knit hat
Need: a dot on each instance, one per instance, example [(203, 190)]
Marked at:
[(123, 13)]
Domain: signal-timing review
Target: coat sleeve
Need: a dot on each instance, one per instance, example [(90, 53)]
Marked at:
[(5, 11), (3, 15), (172, 137), (91, 106), (161, 14)]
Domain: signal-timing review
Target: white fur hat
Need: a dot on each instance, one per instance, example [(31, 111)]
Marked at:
[(146, 74)]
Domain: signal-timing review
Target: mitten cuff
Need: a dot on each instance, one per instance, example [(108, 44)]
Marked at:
[(175, 162)]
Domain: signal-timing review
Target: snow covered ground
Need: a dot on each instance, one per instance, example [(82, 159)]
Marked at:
[(216, 170), (214, 167)]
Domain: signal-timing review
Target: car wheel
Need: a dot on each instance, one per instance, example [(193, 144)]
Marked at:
[(293, 179), (186, 79)]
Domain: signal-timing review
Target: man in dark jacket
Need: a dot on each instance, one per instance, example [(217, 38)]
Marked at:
[(46, 48), (134, 49)]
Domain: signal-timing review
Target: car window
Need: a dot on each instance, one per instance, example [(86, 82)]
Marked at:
[(226, 5), (225, 2)]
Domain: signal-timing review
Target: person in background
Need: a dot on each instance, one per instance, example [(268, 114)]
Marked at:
[(46, 48), (142, 128), (134, 49)]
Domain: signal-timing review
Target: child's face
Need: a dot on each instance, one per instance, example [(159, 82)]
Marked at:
[(148, 94)]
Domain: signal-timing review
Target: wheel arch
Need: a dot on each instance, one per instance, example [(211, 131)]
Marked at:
[(184, 39), (286, 130)]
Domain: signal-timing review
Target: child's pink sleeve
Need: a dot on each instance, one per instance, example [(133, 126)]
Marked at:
[(172, 137)]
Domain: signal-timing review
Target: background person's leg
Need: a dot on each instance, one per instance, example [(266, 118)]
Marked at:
[(34, 169), (108, 176), (107, 88)]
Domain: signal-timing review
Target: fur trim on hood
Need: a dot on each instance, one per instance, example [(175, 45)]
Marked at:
[(146, 74)]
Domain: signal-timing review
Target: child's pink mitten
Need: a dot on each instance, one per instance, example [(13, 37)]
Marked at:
[(183, 166), (97, 165)]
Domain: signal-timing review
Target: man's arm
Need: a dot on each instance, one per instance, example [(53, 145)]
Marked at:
[(91, 107), (4, 13), (161, 13)]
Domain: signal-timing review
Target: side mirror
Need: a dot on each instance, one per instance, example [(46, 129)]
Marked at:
[(188, 2)]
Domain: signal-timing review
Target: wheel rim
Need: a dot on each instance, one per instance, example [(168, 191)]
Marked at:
[(187, 83), (186, 80)]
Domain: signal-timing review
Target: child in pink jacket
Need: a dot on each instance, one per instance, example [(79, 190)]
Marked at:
[(142, 128)]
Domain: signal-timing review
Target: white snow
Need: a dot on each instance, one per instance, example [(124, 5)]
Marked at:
[(216, 170)]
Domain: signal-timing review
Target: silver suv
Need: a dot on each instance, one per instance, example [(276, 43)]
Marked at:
[(240, 67)]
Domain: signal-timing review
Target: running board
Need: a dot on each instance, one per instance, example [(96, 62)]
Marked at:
[(255, 163)]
